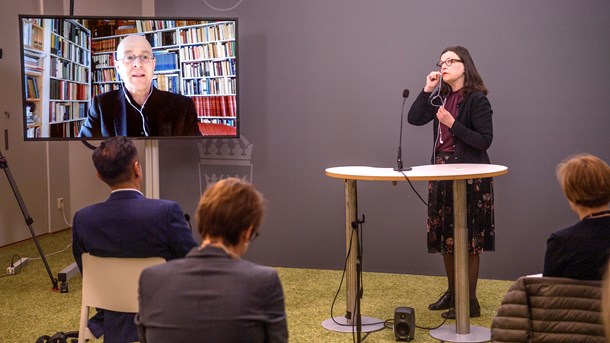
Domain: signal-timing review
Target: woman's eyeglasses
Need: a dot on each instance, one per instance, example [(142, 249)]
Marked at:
[(448, 62)]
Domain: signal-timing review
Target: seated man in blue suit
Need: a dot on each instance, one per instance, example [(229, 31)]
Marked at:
[(214, 295), (126, 225)]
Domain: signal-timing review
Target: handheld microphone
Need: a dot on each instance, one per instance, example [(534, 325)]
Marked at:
[(399, 166)]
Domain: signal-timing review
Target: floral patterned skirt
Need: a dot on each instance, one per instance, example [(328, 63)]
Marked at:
[(480, 214)]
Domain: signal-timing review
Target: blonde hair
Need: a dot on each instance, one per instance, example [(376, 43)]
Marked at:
[(585, 180)]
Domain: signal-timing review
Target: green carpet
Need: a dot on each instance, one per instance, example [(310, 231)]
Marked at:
[(29, 308)]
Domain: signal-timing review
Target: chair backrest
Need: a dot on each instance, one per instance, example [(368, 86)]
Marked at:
[(112, 282)]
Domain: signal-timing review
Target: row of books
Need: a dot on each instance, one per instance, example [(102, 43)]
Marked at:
[(106, 87), (105, 45), (34, 132), (156, 39), (205, 34), (125, 27), (65, 90), (30, 117), (167, 82), (104, 28), (33, 34), (70, 30), (105, 75), (167, 38), (215, 106), (66, 70), (220, 86), (32, 63), (154, 25), (31, 89), (67, 111), (199, 35), (208, 51), (209, 68), (166, 60), (228, 122), (68, 129), (164, 38), (102, 61), (64, 48)]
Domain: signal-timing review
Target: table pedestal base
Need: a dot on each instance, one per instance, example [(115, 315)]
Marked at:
[(340, 324), (448, 333)]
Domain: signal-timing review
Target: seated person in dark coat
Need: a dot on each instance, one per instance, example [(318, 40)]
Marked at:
[(126, 225), (581, 251), (138, 108), (213, 295), (606, 302)]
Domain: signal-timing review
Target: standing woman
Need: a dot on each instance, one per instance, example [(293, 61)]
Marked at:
[(455, 100)]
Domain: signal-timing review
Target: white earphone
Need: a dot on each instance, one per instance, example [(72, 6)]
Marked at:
[(137, 109)]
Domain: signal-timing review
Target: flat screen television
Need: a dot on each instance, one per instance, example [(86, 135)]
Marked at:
[(70, 77)]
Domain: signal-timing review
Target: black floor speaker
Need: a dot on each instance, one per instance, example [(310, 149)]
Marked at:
[(404, 323)]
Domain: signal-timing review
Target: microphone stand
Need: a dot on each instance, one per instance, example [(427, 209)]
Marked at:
[(355, 225), (399, 165), (26, 216)]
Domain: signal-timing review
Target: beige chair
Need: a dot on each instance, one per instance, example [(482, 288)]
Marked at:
[(110, 283)]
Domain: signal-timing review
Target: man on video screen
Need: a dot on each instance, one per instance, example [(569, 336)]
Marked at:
[(138, 108)]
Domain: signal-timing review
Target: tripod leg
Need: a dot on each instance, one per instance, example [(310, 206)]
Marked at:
[(26, 216)]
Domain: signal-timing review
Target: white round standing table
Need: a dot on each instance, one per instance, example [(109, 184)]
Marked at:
[(458, 173)]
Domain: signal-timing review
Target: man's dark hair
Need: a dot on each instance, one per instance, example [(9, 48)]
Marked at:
[(114, 159)]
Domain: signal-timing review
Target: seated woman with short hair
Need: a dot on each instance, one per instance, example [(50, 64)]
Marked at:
[(212, 295), (582, 250)]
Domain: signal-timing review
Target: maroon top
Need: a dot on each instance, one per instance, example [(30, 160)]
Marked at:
[(445, 142)]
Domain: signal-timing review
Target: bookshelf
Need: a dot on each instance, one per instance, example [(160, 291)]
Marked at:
[(56, 58), (193, 58), (69, 70), (33, 59)]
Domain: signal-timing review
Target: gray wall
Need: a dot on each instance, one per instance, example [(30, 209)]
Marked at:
[(321, 84)]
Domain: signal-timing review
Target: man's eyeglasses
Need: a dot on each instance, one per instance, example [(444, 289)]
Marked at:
[(448, 62), (254, 236), (129, 59)]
